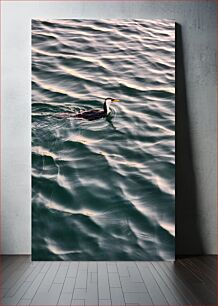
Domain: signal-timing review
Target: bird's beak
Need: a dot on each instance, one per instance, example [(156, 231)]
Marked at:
[(115, 100)]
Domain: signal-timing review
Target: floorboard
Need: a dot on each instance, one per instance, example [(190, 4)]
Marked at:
[(187, 281)]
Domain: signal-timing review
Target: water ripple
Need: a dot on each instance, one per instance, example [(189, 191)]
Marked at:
[(110, 182)]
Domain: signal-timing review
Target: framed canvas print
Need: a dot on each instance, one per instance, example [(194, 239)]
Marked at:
[(103, 139)]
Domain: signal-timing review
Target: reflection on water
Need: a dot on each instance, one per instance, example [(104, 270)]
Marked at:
[(104, 189)]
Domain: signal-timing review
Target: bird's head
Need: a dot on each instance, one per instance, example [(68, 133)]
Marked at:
[(107, 103)]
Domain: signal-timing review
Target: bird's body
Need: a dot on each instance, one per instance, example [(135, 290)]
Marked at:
[(92, 114)]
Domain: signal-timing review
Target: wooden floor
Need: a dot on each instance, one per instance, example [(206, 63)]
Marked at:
[(188, 281)]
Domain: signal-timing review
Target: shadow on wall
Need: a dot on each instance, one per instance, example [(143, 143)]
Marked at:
[(188, 231)]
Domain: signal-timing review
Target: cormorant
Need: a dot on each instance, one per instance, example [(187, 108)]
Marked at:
[(92, 114)]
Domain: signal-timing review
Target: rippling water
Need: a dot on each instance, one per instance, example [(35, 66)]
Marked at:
[(104, 189)]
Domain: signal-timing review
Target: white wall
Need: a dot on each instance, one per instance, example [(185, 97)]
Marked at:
[(198, 21)]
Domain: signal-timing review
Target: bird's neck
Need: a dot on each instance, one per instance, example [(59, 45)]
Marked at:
[(107, 108)]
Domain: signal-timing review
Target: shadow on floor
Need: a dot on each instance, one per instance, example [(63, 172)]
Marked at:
[(188, 231)]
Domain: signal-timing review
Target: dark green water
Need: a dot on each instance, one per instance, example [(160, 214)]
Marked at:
[(104, 189)]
